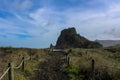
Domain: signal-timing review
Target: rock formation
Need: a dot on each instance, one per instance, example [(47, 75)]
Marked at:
[(70, 39)]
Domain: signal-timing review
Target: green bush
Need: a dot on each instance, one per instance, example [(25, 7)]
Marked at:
[(20, 77)]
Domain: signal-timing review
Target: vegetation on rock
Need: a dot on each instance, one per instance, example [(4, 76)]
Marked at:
[(70, 39)]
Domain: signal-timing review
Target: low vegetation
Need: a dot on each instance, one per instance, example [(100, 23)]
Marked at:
[(47, 65), (14, 55), (107, 64)]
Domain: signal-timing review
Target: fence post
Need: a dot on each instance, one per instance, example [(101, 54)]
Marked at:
[(11, 72), (23, 64), (67, 56), (93, 66), (68, 60), (30, 56)]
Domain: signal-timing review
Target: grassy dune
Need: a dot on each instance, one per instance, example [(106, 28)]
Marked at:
[(107, 63), (14, 55)]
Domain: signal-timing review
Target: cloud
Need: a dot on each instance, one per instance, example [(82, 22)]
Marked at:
[(87, 22), (27, 4), (113, 32), (16, 6), (94, 19)]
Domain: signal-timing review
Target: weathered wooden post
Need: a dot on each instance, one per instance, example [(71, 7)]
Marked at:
[(68, 60), (93, 66), (11, 72), (30, 53), (23, 64), (67, 57)]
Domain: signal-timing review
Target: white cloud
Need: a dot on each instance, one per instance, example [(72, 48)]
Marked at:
[(45, 23), (87, 22), (16, 6), (26, 5)]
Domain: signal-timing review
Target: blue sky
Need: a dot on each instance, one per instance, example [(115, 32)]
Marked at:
[(37, 23)]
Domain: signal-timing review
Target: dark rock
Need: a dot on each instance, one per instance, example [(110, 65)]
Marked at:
[(70, 39)]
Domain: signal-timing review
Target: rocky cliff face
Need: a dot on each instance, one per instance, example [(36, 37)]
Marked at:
[(70, 39)]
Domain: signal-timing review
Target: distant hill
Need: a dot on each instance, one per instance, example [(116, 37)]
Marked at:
[(107, 43), (70, 39)]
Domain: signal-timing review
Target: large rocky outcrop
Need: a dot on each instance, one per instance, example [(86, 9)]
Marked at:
[(70, 39)]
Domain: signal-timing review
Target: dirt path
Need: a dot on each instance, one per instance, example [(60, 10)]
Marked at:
[(51, 69)]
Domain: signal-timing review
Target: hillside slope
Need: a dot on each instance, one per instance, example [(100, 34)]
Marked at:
[(107, 43)]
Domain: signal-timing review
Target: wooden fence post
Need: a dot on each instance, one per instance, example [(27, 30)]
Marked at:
[(23, 64), (67, 57), (11, 72), (93, 66), (68, 60), (30, 56)]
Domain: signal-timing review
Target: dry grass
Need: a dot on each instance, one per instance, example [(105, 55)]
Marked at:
[(81, 58), (80, 61), (14, 55)]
